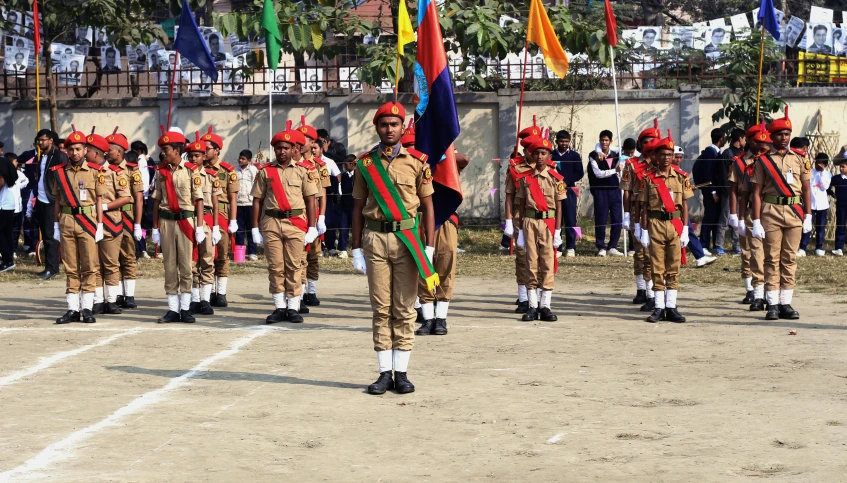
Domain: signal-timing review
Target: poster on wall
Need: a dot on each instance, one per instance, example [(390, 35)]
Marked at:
[(84, 37), (201, 84), (233, 76), (70, 73), (820, 38), (283, 78), (110, 60), (350, 79), (311, 80), (793, 31), (715, 37), (740, 26), (136, 57), (15, 61)]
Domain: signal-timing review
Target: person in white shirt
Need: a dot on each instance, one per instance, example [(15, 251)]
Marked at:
[(246, 172), (8, 204), (21, 183), (604, 177), (821, 178)]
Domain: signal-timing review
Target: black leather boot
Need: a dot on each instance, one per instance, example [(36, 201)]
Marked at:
[(279, 315), (649, 306), (87, 317), (194, 307), (311, 299), (303, 309), (384, 383), (220, 300), (758, 305), (294, 317), (531, 314), (547, 315), (129, 302), (186, 317), (70, 316), (640, 297), (673, 315), (204, 308), (110, 308), (426, 328), (657, 315), (787, 312), (440, 327), (419, 319), (522, 307), (402, 383), (120, 301), (749, 299), (97, 309), (169, 318), (773, 312)]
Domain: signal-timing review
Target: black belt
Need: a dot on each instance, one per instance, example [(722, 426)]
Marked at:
[(182, 215), (661, 215), (782, 200), (390, 226), (282, 214), (81, 210), (539, 215)]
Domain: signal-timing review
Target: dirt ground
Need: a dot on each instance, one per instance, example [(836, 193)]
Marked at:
[(599, 395)]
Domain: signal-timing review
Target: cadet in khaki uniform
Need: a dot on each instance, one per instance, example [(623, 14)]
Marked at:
[(781, 214), (78, 211), (178, 214), (204, 269), (227, 206), (312, 271), (284, 221), (131, 216), (664, 221), (540, 234), (116, 194), (752, 255), (378, 249), (631, 180)]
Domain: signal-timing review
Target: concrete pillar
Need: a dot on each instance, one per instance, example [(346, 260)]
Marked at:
[(689, 125), (7, 126), (507, 129), (338, 128)]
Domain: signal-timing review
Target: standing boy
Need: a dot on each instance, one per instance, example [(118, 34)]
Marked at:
[(203, 273), (571, 168), (604, 176), (821, 179), (246, 173), (838, 189)]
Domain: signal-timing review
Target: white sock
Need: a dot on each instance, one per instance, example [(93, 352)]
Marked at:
[(538, 293), (773, 297), (659, 298), (384, 359), (112, 293), (640, 284), (428, 310), (129, 288), (222, 285), (785, 296), (748, 284), (173, 303), (303, 290), (671, 299), (88, 300), (206, 292), (546, 297), (311, 286), (121, 287), (417, 302), (533, 298), (98, 295), (195, 294), (73, 301), (441, 310), (279, 301), (294, 303), (649, 289), (184, 301), (759, 292), (401, 360), (522, 293)]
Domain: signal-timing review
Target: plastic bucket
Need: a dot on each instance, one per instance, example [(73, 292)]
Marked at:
[(238, 253)]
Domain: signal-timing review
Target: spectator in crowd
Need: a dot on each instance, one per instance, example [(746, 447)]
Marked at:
[(246, 172), (30, 227), (19, 205), (44, 199), (331, 148), (569, 165), (139, 150), (344, 219), (694, 245), (820, 182), (630, 149), (737, 146), (604, 178), (8, 181), (838, 190), (704, 170)]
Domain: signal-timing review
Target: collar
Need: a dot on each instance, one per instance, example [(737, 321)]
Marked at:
[(672, 174), (562, 153), (543, 172), (391, 152), (844, 176), (716, 148), (83, 166)]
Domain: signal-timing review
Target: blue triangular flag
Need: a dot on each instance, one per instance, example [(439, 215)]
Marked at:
[(767, 17), (189, 43)]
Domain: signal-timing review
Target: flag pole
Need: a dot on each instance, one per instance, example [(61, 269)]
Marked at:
[(520, 103), (37, 93), (173, 78), (271, 114), (397, 76), (761, 63), (617, 127)]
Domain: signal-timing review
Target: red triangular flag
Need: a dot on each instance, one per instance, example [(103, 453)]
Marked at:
[(611, 25), (37, 26)]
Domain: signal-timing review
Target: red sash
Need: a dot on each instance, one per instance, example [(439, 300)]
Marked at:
[(639, 168), (129, 223), (113, 228), (518, 176), (83, 221), (272, 173), (667, 200), (173, 204), (454, 219), (541, 205), (783, 188)]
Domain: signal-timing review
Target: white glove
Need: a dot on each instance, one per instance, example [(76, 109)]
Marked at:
[(311, 235), (136, 232), (807, 224), (626, 220), (105, 207), (733, 220), (257, 237), (233, 226), (199, 235), (98, 235), (521, 242), (321, 226), (644, 238), (156, 238), (758, 230), (57, 233), (430, 252), (683, 239), (557, 239), (216, 234), (741, 228), (637, 231), (359, 261), (509, 230)]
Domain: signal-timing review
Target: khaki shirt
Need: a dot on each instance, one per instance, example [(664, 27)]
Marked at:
[(629, 181), (226, 182), (188, 184), (82, 178), (410, 175), (511, 189), (211, 188), (322, 170), (296, 180), (553, 189), (800, 167), (133, 175), (314, 173), (679, 186), (741, 186)]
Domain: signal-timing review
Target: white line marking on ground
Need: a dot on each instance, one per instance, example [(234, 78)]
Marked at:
[(61, 449), (49, 361), (153, 451), (555, 439)]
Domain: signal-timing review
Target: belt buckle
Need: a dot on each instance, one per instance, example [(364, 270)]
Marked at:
[(395, 226)]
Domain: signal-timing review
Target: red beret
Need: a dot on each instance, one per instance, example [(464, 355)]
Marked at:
[(762, 136), (653, 132), (541, 144), (98, 142), (666, 143), (393, 109), (297, 136), (284, 137), (76, 137), (780, 124), (210, 136), (171, 137), (118, 139), (754, 130), (529, 140), (195, 147), (530, 131), (307, 130), (408, 137)]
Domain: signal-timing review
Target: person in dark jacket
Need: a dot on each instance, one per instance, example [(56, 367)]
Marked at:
[(331, 148), (737, 144), (47, 140), (569, 165), (604, 176), (342, 209), (838, 190), (703, 172)]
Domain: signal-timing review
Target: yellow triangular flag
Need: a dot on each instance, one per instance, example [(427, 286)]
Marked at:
[(540, 31), (405, 34)]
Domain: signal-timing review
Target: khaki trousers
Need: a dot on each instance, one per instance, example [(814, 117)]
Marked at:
[(284, 251), (311, 262), (665, 254), (109, 249), (521, 267), (752, 256), (177, 252), (204, 268), (783, 230), (540, 255), (641, 264), (79, 255), (392, 279), (129, 264), (444, 263), (222, 259)]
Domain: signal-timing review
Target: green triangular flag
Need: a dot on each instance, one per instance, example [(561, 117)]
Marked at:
[(273, 40)]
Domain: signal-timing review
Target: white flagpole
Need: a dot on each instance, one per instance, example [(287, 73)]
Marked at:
[(618, 128), (270, 115)]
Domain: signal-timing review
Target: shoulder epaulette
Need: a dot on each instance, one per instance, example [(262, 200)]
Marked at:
[(132, 165), (414, 152), (95, 166), (58, 167), (304, 164), (740, 157), (367, 153), (556, 175), (263, 166), (115, 168), (320, 161), (800, 152), (191, 166), (679, 170), (209, 171), (226, 166)]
